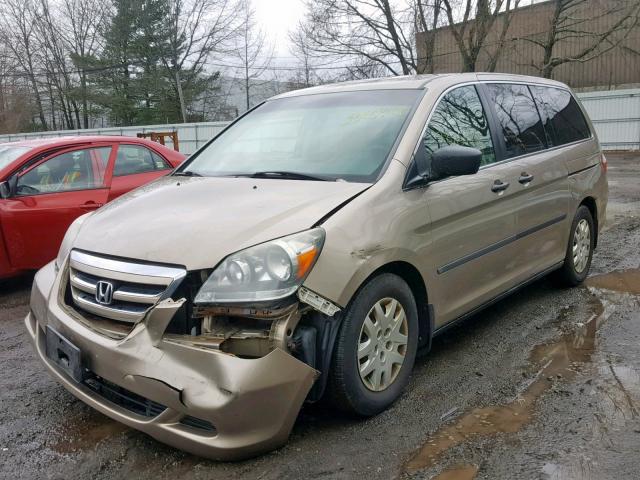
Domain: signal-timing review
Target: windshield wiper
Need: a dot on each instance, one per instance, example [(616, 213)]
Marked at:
[(186, 173), (285, 175)]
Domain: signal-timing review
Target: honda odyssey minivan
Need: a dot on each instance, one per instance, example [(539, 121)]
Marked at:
[(313, 249)]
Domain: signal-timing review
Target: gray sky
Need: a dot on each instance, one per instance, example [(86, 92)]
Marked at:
[(277, 17)]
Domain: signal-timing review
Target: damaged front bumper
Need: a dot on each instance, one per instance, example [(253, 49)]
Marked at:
[(251, 404)]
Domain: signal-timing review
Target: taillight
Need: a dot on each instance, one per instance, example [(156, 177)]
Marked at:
[(603, 163)]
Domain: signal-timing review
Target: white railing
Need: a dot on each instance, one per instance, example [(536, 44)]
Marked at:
[(191, 136)]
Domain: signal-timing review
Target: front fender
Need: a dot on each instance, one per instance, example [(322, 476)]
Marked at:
[(382, 225), (339, 274)]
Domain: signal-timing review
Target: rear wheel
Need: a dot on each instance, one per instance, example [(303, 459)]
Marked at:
[(376, 347), (579, 253)]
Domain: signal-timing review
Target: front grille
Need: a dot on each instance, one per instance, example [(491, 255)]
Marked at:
[(119, 290), (124, 398)]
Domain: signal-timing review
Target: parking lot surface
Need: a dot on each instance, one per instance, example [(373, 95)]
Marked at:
[(545, 384)]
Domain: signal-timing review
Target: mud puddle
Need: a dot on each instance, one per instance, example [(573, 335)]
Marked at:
[(625, 281), (85, 432), (559, 360), (464, 472)]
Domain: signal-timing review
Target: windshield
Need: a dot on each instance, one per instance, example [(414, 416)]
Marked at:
[(9, 153), (346, 135)]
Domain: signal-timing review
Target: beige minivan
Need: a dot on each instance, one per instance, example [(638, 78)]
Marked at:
[(313, 249)]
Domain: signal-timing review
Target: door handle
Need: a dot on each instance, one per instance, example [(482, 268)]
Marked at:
[(525, 178), (499, 186), (91, 205)]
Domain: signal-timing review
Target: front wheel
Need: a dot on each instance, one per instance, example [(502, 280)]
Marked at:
[(579, 253), (376, 347)]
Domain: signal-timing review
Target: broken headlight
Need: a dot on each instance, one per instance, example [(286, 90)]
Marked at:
[(267, 272)]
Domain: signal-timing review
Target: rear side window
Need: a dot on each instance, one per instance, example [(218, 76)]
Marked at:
[(519, 121), (459, 119), (132, 159), (563, 120)]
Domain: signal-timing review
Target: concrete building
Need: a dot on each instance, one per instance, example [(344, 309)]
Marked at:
[(617, 68)]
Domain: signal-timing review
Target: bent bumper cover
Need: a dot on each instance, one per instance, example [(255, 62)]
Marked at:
[(252, 403)]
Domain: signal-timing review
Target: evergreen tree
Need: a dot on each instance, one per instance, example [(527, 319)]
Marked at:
[(152, 83), (118, 90), (153, 65)]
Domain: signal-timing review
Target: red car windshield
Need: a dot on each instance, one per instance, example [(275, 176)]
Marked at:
[(9, 153)]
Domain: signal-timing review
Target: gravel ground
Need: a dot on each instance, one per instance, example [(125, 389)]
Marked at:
[(545, 384)]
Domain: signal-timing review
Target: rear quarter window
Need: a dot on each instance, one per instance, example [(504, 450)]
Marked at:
[(563, 120), (133, 159)]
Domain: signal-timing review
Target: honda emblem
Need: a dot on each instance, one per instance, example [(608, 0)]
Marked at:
[(104, 292)]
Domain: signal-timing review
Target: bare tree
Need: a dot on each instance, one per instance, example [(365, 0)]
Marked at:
[(251, 49), (15, 100), (360, 69), (57, 64), (427, 19), (510, 6), (574, 22), (470, 22), (81, 33), (361, 31), (18, 32), (299, 48), (196, 30), (138, 60)]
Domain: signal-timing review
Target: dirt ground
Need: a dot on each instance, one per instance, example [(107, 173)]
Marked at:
[(545, 384)]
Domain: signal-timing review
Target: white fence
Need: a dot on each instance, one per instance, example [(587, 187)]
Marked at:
[(191, 136), (614, 113), (616, 117)]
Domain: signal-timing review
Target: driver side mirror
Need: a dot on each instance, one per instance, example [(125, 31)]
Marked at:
[(454, 160), (5, 190), (8, 188)]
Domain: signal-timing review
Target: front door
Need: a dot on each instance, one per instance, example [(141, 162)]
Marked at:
[(473, 220), (49, 196)]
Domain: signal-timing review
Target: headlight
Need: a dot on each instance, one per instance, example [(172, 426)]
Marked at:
[(269, 271), (69, 238)]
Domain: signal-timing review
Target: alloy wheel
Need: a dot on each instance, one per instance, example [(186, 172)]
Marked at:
[(382, 345), (581, 245)]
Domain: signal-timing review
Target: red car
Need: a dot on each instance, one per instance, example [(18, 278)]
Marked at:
[(45, 184)]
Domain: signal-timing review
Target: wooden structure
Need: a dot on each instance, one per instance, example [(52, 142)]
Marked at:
[(160, 138)]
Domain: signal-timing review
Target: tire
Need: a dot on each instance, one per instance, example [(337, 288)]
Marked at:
[(576, 268), (360, 394)]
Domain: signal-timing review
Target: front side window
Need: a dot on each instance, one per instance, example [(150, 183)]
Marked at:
[(132, 159), (562, 117), (75, 170), (459, 119), (518, 117), (345, 135)]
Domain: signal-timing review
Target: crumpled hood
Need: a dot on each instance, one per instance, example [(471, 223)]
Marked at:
[(197, 221)]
